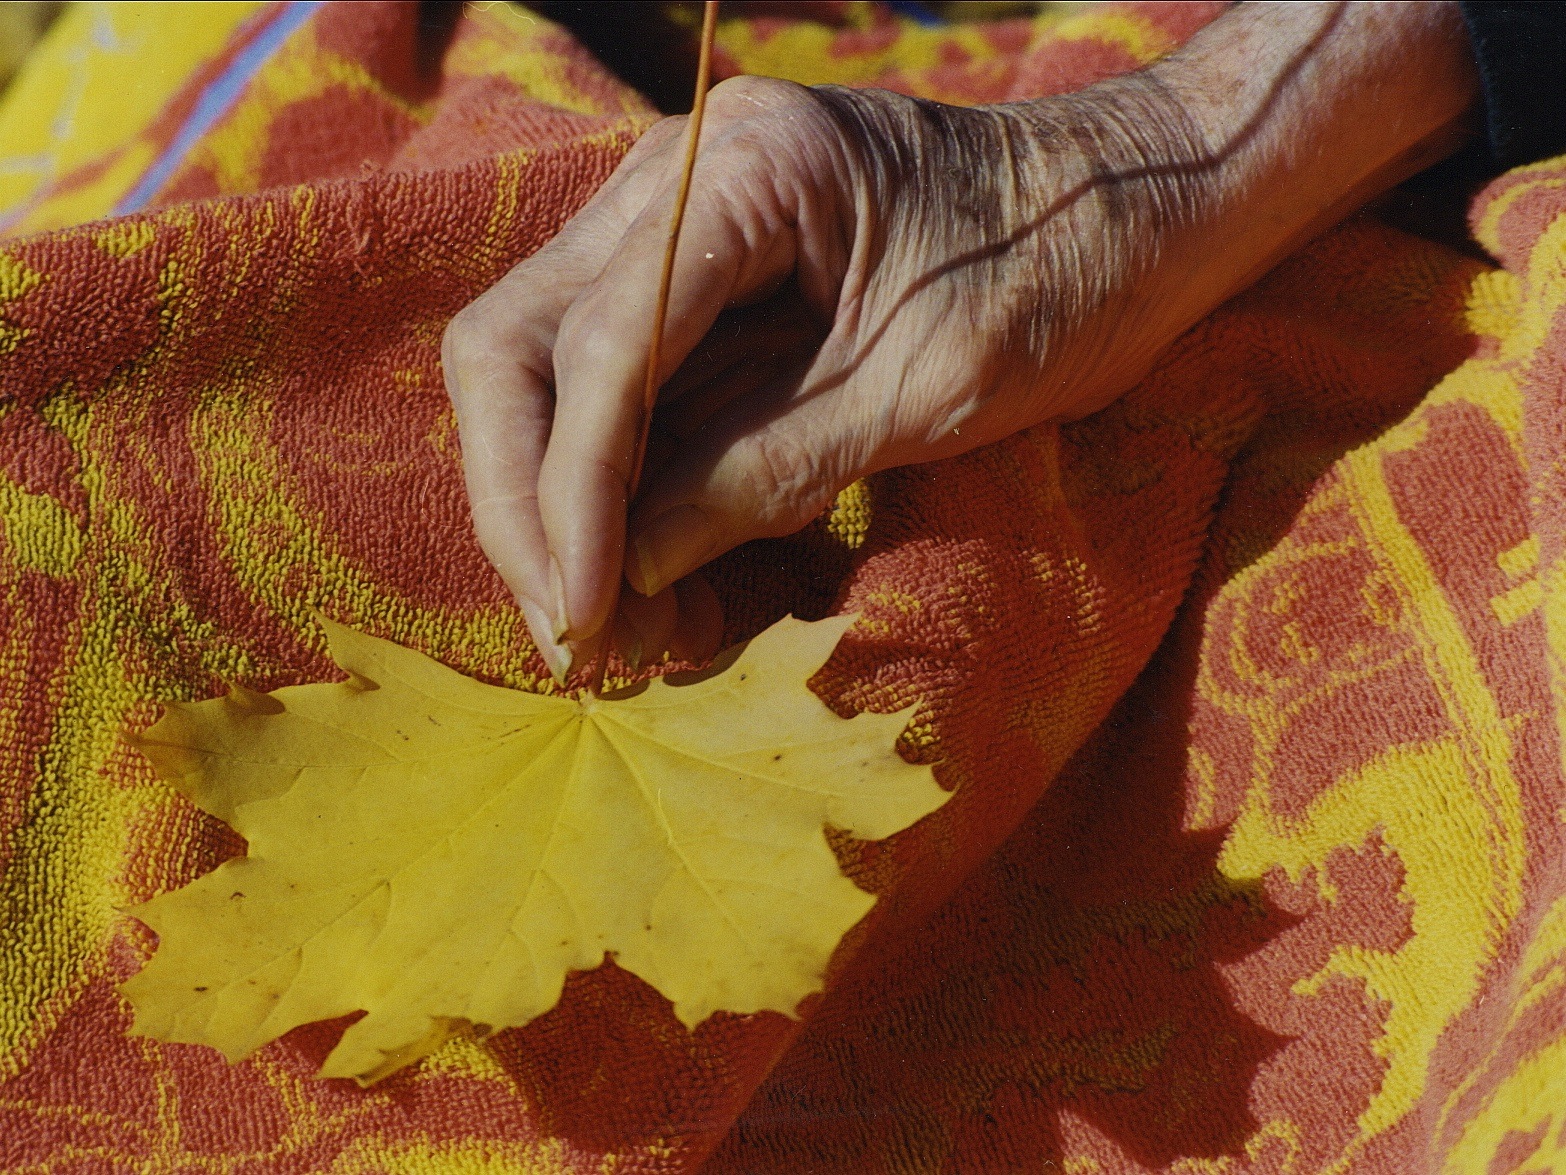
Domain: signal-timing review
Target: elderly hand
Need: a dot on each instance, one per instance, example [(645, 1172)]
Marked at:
[(865, 280)]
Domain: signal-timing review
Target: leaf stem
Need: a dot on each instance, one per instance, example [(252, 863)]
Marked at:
[(709, 25)]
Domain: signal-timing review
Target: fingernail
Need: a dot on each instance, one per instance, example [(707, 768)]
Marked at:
[(671, 545), (560, 623), (555, 655)]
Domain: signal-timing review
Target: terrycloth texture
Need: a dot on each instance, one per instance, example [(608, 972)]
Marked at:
[(1064, 47), (1298, 905)]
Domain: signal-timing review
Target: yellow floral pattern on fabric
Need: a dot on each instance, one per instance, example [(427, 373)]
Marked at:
[(1296, 907)]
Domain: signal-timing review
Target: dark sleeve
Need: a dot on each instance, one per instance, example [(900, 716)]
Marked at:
[(1520, 46)]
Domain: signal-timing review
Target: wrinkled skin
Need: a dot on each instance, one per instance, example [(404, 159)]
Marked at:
[(865, 280), (871, 280)]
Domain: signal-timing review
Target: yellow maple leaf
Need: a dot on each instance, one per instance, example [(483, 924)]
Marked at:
[(437, 852)]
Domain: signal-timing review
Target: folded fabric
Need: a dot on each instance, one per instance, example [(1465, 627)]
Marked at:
[(1250, 686)]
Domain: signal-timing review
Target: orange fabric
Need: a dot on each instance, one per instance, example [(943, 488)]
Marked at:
[(1297, 905)]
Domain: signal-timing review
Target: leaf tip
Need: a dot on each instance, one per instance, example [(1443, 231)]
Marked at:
[(166, 746), (249, 703), (339, 638), (366, 1064)]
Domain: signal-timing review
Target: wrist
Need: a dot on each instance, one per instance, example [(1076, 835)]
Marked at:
[(1306, 111), (1187, 181), (1122, 198)]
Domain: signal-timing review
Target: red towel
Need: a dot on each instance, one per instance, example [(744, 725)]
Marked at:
[(1249, 685)]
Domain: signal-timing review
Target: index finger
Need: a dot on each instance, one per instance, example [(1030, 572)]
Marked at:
[(496, 357), (740, 237)]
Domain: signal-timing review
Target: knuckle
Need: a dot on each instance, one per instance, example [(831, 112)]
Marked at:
[(656, 137), (484, 324), (488, 528), (748, 96), (459, 345), (766, 120), (582, 344), (462, 332), (785, 481), (479, 332)]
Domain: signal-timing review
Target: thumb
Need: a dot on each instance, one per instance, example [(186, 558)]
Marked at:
[(740, 241), (900, 388), (763, 469)]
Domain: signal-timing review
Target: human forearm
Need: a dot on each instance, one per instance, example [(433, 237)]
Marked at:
[(966, 272), (1154, 196), (1205, 170), (1308, 111)]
